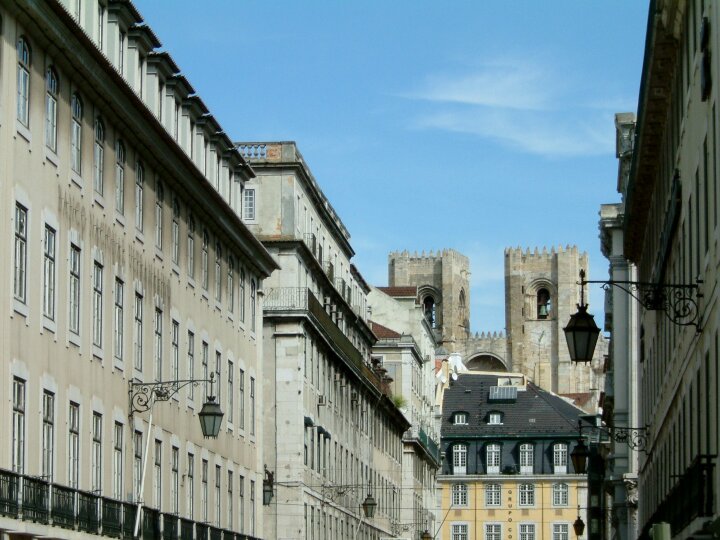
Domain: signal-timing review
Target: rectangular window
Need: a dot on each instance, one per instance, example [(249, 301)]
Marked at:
[(157, 480), (51, 108), (527, 495), (560, 494), (527, 531), (48, 435), (118, 461), (204, 360), (460, 419), (120, 178), (76, 134), (230, 503), (73, 444), (121, 53), (560, 531), (230, 392), (526, 459), (217, 494), (119, 333), (74, 322), (252, 405), (191, 362), (49, 273), (159, 216), (137, 464), (560, 458), (241, 504), (492, 495), (242, 295), (459, 495), (248, 211), (218, 380), (204, 489), (252, 507), (139, 192), (459, 531), (191, 248), (204, 261), (231, 285), (459, 459), (158, 344), (97, 452), (175, 479), (138, 332), (23, 83), (97, 304), (20, 274), (175, 240), (18, 444), (493, 531), (218, 273), (98, 158), (190, 487), (175, 338), (101, 27), (241, 399)]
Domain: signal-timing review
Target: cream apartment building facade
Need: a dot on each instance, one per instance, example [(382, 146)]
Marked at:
[(126, 260), (333, 435)]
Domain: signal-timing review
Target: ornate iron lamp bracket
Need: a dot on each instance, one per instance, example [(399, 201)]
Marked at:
[(678, 302), (144, 395), (634, 437)]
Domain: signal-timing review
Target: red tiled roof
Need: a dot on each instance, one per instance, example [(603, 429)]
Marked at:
[(383, 332), (400, 291)]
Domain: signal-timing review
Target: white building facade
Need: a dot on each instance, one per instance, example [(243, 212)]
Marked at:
[(127, 261)]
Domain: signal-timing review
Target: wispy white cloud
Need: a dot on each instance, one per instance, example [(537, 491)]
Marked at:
[(541, 134), (510, 85), (523, 105)]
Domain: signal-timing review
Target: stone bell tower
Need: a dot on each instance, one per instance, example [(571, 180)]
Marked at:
[(443, 282), (541, 292)]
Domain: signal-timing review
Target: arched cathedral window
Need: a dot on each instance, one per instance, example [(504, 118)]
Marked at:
[(544, 304), (429, 309)]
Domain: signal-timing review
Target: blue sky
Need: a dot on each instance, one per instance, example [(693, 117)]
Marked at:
[(472, 125)]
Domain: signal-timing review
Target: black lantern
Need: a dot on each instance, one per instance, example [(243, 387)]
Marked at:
[(426, 535), (368, 506), (579, 526), (579, 457), (268, 482), (581, 334), (210, 418)]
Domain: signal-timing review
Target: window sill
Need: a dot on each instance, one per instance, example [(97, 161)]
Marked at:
[(159, 253), (52, 157), (49, 325), (120, 218), (20, 308), (176, 269), (218, 306), (139, 236), (118, 364), (98, 199), (76, 179), (191, 282), (98, 353), (73, 338), (23, 131)]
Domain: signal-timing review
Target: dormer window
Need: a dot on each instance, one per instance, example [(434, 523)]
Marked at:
[(544, 305), (460, 419), (495, 418), (560, 453)]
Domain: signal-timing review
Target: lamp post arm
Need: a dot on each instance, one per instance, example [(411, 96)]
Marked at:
[(142, 479), (634, 437), (144, 395)]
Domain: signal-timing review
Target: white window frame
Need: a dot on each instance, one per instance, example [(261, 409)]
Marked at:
[(493, 458), (51, 93), (73, 444), (48, 435), (159, 200), (49, 268), (120, 177), (249, 210), (76, 107), (21, 247), (495, 418), (97, 304), (24, 59), (493, 495), (459, 531), (527, 458), (560, 494), (18, 425), (459, 455), (493, 531), (75, 277), (138, 331), (157, 476), (118, 431), (119, 322), (526, 495), (526, 531), (459, 495), (139, 193), (99, 158), (560, 531), (460, 419), (560, 456), (97, 474)]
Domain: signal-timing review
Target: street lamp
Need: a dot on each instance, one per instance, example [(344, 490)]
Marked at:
[(579, 457), (426, 535), (677, 301), (369, 505), (268, 487), (579, 525), (143, 397)]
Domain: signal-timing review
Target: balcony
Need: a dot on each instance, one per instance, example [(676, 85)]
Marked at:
[(329, 269), (28, 498), (303, 301), (420, 437), (310, 241), (692, 497)]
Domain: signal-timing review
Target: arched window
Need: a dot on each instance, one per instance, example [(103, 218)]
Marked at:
[(23, 82), (120, 177), (429, 309), (99, 156), (544, 305), (461, 300), (459, 458), (492, 458), (526, 458), (76, 107), (51, 92)]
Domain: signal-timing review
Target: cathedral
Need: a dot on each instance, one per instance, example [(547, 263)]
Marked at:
[(541, 292)]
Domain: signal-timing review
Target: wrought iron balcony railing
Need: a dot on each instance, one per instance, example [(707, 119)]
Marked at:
[(692, 497), (429, 445), (29, 498)]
